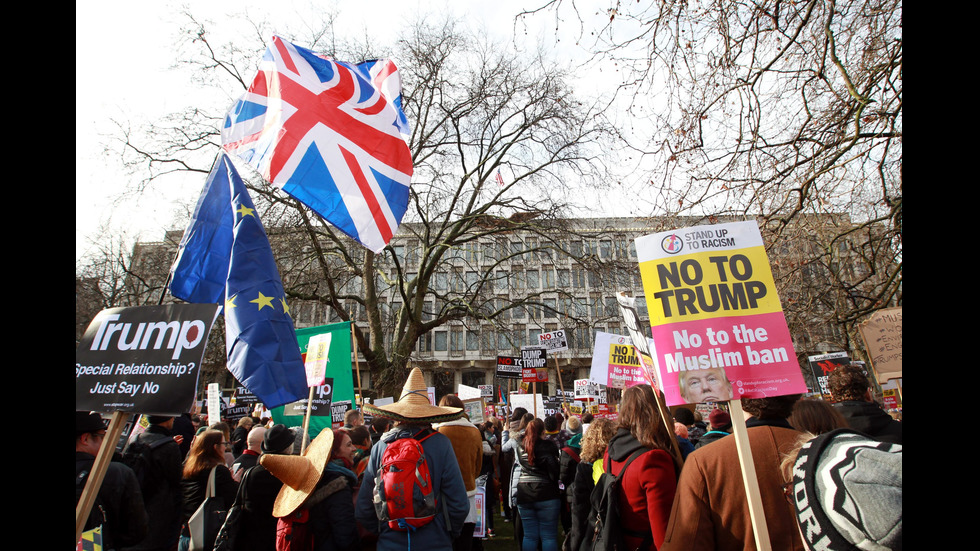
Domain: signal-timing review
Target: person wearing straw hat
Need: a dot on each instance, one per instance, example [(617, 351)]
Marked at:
[(317, 490), (412, 414)]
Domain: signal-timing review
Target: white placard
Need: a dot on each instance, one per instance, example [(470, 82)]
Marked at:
[(317, 354)]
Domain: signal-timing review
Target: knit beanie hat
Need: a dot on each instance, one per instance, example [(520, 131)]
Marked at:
[(847, 490), (718, 419)]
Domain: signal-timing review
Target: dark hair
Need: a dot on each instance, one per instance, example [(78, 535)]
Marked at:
[(525, 421), (531, 435), (360, 435), (816, 417), (587, 418), (203, 456), (639, 413), (684, 416), (848, 383), (776, 407), (380, 424), (518, 414), (550, 423)]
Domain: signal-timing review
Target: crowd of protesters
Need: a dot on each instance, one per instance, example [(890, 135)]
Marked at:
[(680, 484)]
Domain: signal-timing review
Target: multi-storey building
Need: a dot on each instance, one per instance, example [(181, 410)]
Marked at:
[(567, 280)]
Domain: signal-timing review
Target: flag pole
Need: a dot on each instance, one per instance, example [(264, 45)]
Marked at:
[(357, 364), (306, 422)]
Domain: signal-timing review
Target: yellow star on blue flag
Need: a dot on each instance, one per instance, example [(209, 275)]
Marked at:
[(225, 255)]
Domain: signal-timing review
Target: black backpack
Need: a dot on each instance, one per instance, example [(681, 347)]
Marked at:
[(604, 530), (137, 456)]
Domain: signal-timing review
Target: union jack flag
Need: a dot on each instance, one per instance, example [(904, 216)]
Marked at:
[(329, 133)]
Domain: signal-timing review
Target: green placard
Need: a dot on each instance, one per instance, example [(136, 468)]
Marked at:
[(338, 367)]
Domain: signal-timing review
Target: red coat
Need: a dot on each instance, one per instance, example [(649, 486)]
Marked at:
[(648, 488)]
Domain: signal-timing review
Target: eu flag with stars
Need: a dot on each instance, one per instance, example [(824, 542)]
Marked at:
[(224, 256)]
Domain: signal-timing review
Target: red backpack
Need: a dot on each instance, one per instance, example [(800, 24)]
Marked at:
[(403, 494)]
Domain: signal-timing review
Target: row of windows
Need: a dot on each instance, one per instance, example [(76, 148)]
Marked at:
[(621, 248), (310, 313), (492, 341), (535, 279)]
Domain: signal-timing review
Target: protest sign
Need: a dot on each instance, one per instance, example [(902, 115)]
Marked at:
[(615, 362), (822, 365), (243, 397), (214, 403), (339, 410), (315, 360), (320, 404), (467, 392), (486, 391), (531, 402), (475, 408), (534, 365), (640, 340), (586, 388), (339, 368), (715, 315), (882, 335), (509, 367), (554, 341), (143, 359)]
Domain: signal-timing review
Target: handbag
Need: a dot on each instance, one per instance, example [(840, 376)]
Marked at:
[(207, 520), (225, 541)]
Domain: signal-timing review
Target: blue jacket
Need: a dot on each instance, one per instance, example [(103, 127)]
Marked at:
[(447, 483)]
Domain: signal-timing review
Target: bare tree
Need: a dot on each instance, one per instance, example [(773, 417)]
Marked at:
[(787, 112), (475, 108)]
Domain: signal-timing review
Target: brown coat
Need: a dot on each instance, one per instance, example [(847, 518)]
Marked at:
[(710, 510), (468, 447)]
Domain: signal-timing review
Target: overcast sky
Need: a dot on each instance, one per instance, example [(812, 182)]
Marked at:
[(124, 51)]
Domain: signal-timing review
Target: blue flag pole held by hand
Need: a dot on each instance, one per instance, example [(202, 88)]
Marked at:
[(225, 257)]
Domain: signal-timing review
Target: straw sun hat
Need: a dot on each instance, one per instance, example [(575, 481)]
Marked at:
[(299, 473), (414, 405)]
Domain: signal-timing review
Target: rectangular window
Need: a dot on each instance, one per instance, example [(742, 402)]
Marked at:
[(441, 341), (548, 277), (564, 279), (473, 340), (550, 307), (533, 282)]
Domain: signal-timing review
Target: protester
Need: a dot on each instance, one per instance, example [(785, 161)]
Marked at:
[(156, 450), (852, 396), (360, 436), (685, 445), (412, 414), (379, 426), (239, 437), (183, 427), (353, 418), (250, 456), (553, 432), (468, 448), (225, 430), (512, 445), (710, 512), (816, 417), (207, 454), (257, 527), (594, 443), (488, 470), (118, 506), (538, 498), (647, 487), (507, 460), (688, 418), (721, 426), (319, 484), (568, 459), (847, 491)]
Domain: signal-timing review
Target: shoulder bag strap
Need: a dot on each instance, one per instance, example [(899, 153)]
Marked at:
[(210, 491)]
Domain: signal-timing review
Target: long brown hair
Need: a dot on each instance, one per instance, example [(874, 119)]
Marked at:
[(531, 435), (203, 456), (639, 413), (816, 416)]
